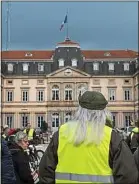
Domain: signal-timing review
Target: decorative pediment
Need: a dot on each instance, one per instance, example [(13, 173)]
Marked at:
[(68, 72)]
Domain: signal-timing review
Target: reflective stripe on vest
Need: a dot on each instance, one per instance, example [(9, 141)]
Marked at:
[(30, 133), (84, 177), (132, 134)]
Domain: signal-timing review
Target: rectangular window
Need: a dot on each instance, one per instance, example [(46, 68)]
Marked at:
[(40, 95), (95, 66), (40, 67), (127, 94), (55, 120), (9, 97), (55, 94), (126, 66), (128, 119), (40, 119), (24, 119), (111, 66), (25, 96), (112, 94), (68, 94), (9, 120)]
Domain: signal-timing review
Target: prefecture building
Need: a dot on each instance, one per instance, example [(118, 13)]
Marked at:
[(42, 85)]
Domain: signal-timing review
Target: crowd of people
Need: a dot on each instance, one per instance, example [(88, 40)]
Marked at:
[(85, 149), (16, 168)]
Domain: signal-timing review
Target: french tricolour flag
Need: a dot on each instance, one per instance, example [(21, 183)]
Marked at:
[(64, 22)]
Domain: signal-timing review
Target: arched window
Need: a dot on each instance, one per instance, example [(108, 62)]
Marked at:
[(55, 120), (68, 92), (25, 67), (61, 62), (55, 92), (67, 116), (126, 66), (10, 67), (74, 62), (81, 89)]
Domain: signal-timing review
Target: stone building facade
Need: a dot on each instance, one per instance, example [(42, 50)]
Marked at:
[(45, 85)]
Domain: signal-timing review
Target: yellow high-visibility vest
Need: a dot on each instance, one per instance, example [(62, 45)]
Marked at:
[(30, 133), (135, 130), (83, 163)]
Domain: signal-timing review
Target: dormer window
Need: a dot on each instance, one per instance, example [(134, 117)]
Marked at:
[(111, 66), (25, 67), (107, 54), (74, 62), (61, 62), (126, 66), (95, 66), (10, 67), (28, 54), (40, 67)]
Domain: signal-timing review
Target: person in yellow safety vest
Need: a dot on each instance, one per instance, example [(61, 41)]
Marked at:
[(30, 132), (133, 138), (85, 150)]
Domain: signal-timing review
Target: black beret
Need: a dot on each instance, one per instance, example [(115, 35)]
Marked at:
[(92, 100)]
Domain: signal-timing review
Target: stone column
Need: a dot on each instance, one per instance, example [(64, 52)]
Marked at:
[(3, 119), (62, 94), (33, 119), (121, 120), (62, 117), (49, 91), (74, 92), (49, 119), (16, 120)]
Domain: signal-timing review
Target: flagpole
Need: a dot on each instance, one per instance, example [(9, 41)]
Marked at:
[(67, 26)]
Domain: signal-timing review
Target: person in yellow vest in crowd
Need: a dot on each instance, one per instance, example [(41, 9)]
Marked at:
[(133, 138), (85, 150), (30, 132)]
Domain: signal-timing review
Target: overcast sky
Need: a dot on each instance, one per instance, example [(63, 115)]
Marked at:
[(94, 25)]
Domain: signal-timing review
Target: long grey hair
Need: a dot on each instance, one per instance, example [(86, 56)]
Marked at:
[(20, 136), (87, 126)]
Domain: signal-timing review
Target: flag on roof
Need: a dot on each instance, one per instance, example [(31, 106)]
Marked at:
[(64, 22)]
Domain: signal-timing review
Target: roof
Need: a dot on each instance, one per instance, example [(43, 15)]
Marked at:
[(22, 54), (47, 55), (68, 42), (102, 54)]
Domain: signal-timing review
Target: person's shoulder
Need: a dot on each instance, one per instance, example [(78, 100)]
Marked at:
[(116, 137)]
